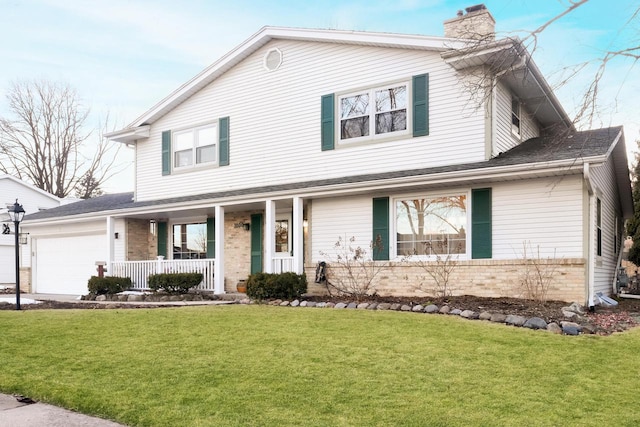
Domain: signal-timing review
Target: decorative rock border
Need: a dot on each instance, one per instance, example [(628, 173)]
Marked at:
[(571, 328)]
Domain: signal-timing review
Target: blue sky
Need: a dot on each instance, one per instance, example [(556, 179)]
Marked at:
[(123, 56)]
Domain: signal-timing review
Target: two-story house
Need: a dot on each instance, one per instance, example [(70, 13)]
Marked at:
[(430, 146)]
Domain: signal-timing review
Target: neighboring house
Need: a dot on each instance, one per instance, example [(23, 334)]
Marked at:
[(32, 200), (300, 137)]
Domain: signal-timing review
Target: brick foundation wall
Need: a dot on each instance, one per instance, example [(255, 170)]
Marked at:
[(25, 280), (237, 249), (484, 278)]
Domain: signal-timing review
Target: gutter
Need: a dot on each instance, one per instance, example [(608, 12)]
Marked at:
[(591, 258)]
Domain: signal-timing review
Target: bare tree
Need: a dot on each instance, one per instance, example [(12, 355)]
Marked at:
[(45, 141)]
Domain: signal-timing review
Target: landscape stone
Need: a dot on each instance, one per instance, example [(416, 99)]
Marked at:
[(554, 328), (515, 320), (469, 314), (576, 308), (485, 315), (352, 305), (570, 325), (171, 298), (455, 312), (276, 302), (295, 303), (330, 305), (587, 329), (432, 308), (445, 309), (405, 307), (362, 306), (570, 330), (311, 303), (535, 323), (372, 306), (384, 306), (417, 308), (135, 298), (303, 304), (340, 305), (321, 305), (100, 298), (395, 306), (123, 297), (284, 303), (569, 314)]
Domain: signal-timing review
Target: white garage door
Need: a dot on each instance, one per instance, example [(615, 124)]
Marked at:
[(65, 264)]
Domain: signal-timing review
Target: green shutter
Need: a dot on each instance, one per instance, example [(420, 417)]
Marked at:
[(421, 105), (162, 239), (481, 242), (211, 237), (223, 141), (327, 116), (166, 152), (256, 243), (380, 239)]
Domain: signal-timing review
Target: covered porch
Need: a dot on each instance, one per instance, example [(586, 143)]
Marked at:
[(224, 241)]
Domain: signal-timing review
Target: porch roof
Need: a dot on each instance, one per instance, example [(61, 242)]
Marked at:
[(595, 145)]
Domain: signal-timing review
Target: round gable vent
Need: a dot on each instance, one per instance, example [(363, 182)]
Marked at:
[(273, 59)]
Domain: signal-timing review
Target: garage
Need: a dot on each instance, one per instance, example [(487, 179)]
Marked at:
[(7, 265), (63, 265)]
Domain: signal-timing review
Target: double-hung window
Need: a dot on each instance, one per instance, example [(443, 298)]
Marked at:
[(431, 225), (189, 241), (195, 146), (373, 113), (515, 116)]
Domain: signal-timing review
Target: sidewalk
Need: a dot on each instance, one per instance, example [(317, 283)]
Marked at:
[(17, 414)]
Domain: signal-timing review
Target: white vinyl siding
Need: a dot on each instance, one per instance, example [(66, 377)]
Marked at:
[(543, 213), (275, 120), (504, 138), (603, 178), (339, 217)]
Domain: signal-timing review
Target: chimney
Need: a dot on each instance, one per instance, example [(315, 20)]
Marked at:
[(477, 23)]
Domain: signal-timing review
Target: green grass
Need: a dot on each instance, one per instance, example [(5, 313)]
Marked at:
[(262, 365)]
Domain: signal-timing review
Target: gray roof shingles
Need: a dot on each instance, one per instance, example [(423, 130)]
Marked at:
[(535, 150)]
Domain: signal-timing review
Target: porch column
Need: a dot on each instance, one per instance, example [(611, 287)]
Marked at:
[(218, 280), (270, 235), (298, 236), (110, 245)]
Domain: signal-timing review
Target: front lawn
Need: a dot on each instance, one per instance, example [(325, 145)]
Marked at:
[(263, 365)]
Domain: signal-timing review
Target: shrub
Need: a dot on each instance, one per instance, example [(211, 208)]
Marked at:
[(174, 283), (284, 285), (108, 285)]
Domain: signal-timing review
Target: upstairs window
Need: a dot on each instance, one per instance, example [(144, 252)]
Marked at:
[(515, 116), (195, 146), (373, 113)]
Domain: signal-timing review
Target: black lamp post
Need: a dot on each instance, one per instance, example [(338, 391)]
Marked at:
[(16, 213)]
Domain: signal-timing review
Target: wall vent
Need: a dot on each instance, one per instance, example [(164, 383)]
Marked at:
[(272, 59)]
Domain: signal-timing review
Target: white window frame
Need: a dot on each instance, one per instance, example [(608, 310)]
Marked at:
[(394, 224), (194, 131), (372, 114), (171, 235)]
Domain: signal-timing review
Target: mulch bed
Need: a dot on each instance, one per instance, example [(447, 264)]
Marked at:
[(607, 319)]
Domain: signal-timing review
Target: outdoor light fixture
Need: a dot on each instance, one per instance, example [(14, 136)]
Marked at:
[(247, 226), (16, 213)]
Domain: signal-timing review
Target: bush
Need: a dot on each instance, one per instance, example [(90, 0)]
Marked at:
[(284, 285), (108, 285), (174, 283)]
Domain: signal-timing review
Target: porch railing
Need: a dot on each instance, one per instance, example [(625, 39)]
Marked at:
[(282, 264), (139, 271)]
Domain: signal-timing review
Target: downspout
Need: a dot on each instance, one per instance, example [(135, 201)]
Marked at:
[(590, 249)]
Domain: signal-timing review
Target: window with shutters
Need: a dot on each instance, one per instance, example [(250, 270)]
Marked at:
[(194, 147), (374, 113), (431, 226)]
